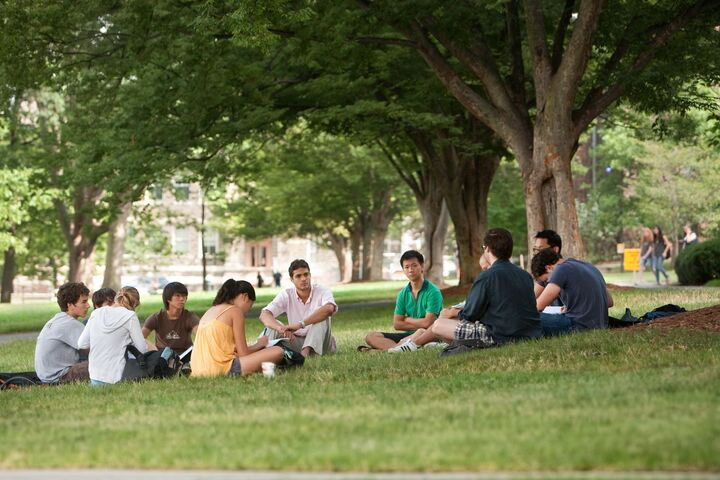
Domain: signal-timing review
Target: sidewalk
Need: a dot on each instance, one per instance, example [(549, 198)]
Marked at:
[(250, 475)]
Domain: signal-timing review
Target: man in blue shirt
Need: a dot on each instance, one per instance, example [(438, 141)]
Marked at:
[(580, 286), (417, 306)]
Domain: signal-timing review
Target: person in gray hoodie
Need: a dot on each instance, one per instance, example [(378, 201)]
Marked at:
[(108, 331)]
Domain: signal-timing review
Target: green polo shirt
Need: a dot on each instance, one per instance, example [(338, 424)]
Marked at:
[(429, 300)]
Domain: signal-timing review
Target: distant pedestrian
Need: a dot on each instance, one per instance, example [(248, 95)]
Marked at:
[(662, 249), (277, 276), (690, 238), (260, 280)]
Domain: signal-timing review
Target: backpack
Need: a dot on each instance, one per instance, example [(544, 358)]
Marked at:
[(13, 380), (152, 364)]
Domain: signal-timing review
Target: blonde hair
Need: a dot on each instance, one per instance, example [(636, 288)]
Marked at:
[(128, 297)]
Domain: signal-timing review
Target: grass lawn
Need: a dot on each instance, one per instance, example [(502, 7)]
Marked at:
[(605, 401)]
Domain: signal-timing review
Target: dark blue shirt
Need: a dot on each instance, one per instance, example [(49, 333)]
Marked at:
[(503, 299)]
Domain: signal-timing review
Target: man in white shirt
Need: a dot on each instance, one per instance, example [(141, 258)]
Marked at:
[(309, 309)]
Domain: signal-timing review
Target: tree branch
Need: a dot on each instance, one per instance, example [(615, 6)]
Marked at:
[(560, 32), (656, 37)]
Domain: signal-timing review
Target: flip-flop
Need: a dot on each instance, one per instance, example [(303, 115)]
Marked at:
[(363, 348)]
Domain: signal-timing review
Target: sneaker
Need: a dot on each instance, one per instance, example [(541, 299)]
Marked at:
[(438, 345), (408, 346)]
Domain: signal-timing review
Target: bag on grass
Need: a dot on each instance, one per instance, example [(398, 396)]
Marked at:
[(291, 357), (11, 380), (151, 364)]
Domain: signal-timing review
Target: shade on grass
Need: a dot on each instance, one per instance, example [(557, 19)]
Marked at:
[(597, 401)]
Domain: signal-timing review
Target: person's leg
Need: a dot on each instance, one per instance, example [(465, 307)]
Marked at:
[(317, 340), (385, 340), (253, 362), (77, 372), (444, 329), (554, 325), (657, 264)]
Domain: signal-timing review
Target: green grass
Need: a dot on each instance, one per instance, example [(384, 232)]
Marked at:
[(32, 316), (604, 401)]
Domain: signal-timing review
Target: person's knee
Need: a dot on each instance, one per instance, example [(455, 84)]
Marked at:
[(370, 337)]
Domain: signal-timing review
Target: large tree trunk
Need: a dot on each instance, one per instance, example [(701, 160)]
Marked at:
[(338, 244), (8, 275), (355, 247), (116, 249), (435, 226), (380, 219), (367, 253), (464, 177), (467, 206)]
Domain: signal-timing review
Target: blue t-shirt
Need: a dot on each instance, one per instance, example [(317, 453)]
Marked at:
[(584, 293), (429, 300)]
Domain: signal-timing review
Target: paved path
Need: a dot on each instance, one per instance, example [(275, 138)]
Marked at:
[(11, 337), (250, 475)]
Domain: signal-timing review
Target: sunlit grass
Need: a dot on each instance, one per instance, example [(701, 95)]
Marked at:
[(606, 401)]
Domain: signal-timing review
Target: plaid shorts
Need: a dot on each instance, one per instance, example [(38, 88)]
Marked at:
[(473, 331)]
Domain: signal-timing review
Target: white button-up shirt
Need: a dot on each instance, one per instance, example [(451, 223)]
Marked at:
[(288, 302)]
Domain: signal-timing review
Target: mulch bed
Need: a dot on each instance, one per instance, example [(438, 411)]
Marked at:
[(703, 319)]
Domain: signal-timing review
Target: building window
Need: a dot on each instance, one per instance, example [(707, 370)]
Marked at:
[(263, 256), (156, 192), (181, 240), (252, 257), (181, 191), (212, 242)]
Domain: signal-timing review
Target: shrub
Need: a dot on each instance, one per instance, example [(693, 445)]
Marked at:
[(699, 263)]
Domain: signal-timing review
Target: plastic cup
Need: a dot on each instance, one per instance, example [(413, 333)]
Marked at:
[(268, 369)]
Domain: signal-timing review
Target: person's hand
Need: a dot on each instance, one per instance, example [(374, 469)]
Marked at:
[(293, 327), (262, 342)]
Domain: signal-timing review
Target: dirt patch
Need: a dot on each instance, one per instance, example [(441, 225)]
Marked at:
[(456, 290), (704, 319)]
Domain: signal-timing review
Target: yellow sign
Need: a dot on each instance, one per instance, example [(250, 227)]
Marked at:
[(631, 260)]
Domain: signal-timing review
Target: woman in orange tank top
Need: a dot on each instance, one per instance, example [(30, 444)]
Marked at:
[(220, 344)]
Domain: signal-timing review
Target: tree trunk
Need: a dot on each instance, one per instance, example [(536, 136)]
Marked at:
[(116, 249), (355, 247), (338, 244), (435, 225), (8, 275), (549, 192), (367, 252)]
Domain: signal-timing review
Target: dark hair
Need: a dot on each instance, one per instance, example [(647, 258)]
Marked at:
[(500, 242), (553, 239), (70, 293), (659, 236), (171, 289), (231, 289), (296, 264), (541, 260), (103, 295), (410, 254)]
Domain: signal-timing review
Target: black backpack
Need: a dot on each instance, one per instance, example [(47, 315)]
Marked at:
[(149, 365)]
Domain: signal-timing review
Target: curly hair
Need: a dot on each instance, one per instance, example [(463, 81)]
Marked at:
[(70, 293)]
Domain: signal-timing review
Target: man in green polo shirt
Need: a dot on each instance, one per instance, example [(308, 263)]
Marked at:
[(417, 306)]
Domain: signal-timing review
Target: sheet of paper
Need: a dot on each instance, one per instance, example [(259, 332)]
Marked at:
[(553, 310)]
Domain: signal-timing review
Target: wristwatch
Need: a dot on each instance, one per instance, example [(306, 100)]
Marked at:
[(302, 323)]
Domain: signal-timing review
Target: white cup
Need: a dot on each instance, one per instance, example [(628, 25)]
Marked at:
[(268, 369)]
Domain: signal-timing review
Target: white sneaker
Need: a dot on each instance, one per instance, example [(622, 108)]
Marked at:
[(435, 345), (408, 346)]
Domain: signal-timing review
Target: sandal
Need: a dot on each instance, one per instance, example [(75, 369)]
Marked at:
[(363, 348)]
